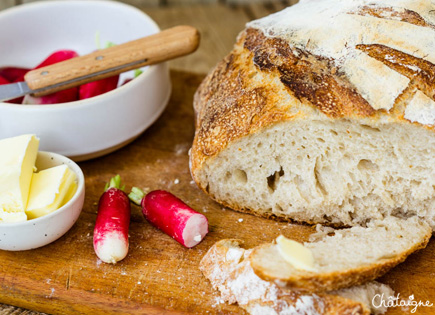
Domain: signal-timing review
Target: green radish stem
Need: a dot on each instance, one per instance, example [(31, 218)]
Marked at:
[(115, 182), (136, 195), (109, 44)]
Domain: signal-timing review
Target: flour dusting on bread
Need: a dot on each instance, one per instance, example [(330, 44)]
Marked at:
[(376, 82), (421, 109), (237, 283), (330, 28)]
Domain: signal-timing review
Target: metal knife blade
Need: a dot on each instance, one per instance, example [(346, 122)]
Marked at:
[(13, 90)]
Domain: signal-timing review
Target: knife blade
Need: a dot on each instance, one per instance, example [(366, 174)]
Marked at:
[(13, 90), (168, 44)]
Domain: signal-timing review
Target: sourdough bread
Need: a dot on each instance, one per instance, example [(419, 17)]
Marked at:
[(346, 258), (324, 113), (228, 268)]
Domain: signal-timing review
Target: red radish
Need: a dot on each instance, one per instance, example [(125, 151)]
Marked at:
[(172, 216), (58, 56), (13, 74), (137, 72), (95, 88), (126, 81), (64, 96), (4, 81), (113, 220)]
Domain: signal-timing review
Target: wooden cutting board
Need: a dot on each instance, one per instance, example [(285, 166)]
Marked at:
[(159, 276)]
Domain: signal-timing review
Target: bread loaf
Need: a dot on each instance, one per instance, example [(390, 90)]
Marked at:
[(324, 113), (228, 268), (345, 257)]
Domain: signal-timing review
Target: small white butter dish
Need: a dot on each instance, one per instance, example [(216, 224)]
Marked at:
[(46, 229)]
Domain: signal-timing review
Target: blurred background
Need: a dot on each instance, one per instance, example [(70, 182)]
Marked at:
[(219, 22)]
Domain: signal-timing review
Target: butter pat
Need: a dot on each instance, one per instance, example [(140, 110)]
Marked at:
[(295, 253), (17, 160), (70, 193), (49, 190)]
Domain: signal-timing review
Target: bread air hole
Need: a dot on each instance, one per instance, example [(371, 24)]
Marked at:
[(317, 171), (366, 127), (367, 165), (273, 180), (240, 176), (279, 209)]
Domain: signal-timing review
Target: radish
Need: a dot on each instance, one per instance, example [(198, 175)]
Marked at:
[(172, 216), (4, 81), (58, 56), (137, 72), (113, 220), (64, 96), (13, 74), (95, 88)]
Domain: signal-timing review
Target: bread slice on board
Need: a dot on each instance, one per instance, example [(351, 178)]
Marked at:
[(228, 268), (349, 257), (324, 113)]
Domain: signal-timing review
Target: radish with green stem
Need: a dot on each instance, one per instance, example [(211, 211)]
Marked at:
[(171, 215), (113, 220)]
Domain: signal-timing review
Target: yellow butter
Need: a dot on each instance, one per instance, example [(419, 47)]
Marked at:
[(295, 253), (70, 193), (17, 160), (49, 190)]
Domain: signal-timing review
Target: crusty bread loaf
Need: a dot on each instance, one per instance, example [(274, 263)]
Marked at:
[(347, 257), (324, 113), (228, 268)]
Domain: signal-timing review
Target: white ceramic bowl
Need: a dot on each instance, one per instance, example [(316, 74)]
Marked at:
[(46, 229), (89, 128)]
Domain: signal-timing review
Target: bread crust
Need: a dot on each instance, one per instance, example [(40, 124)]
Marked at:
[(221, 272), (229, 106)]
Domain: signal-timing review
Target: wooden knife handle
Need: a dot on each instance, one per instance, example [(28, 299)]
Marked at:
[(168, 44)]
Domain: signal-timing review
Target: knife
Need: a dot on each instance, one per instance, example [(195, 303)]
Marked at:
[(168, 44)]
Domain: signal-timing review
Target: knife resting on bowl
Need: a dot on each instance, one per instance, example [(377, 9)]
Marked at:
[(168, 44)]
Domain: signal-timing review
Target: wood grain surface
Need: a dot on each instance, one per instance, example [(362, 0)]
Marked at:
[(159, 276)]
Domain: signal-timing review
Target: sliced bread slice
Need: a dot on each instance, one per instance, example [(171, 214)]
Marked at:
[(228, 268), (348, 257)]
